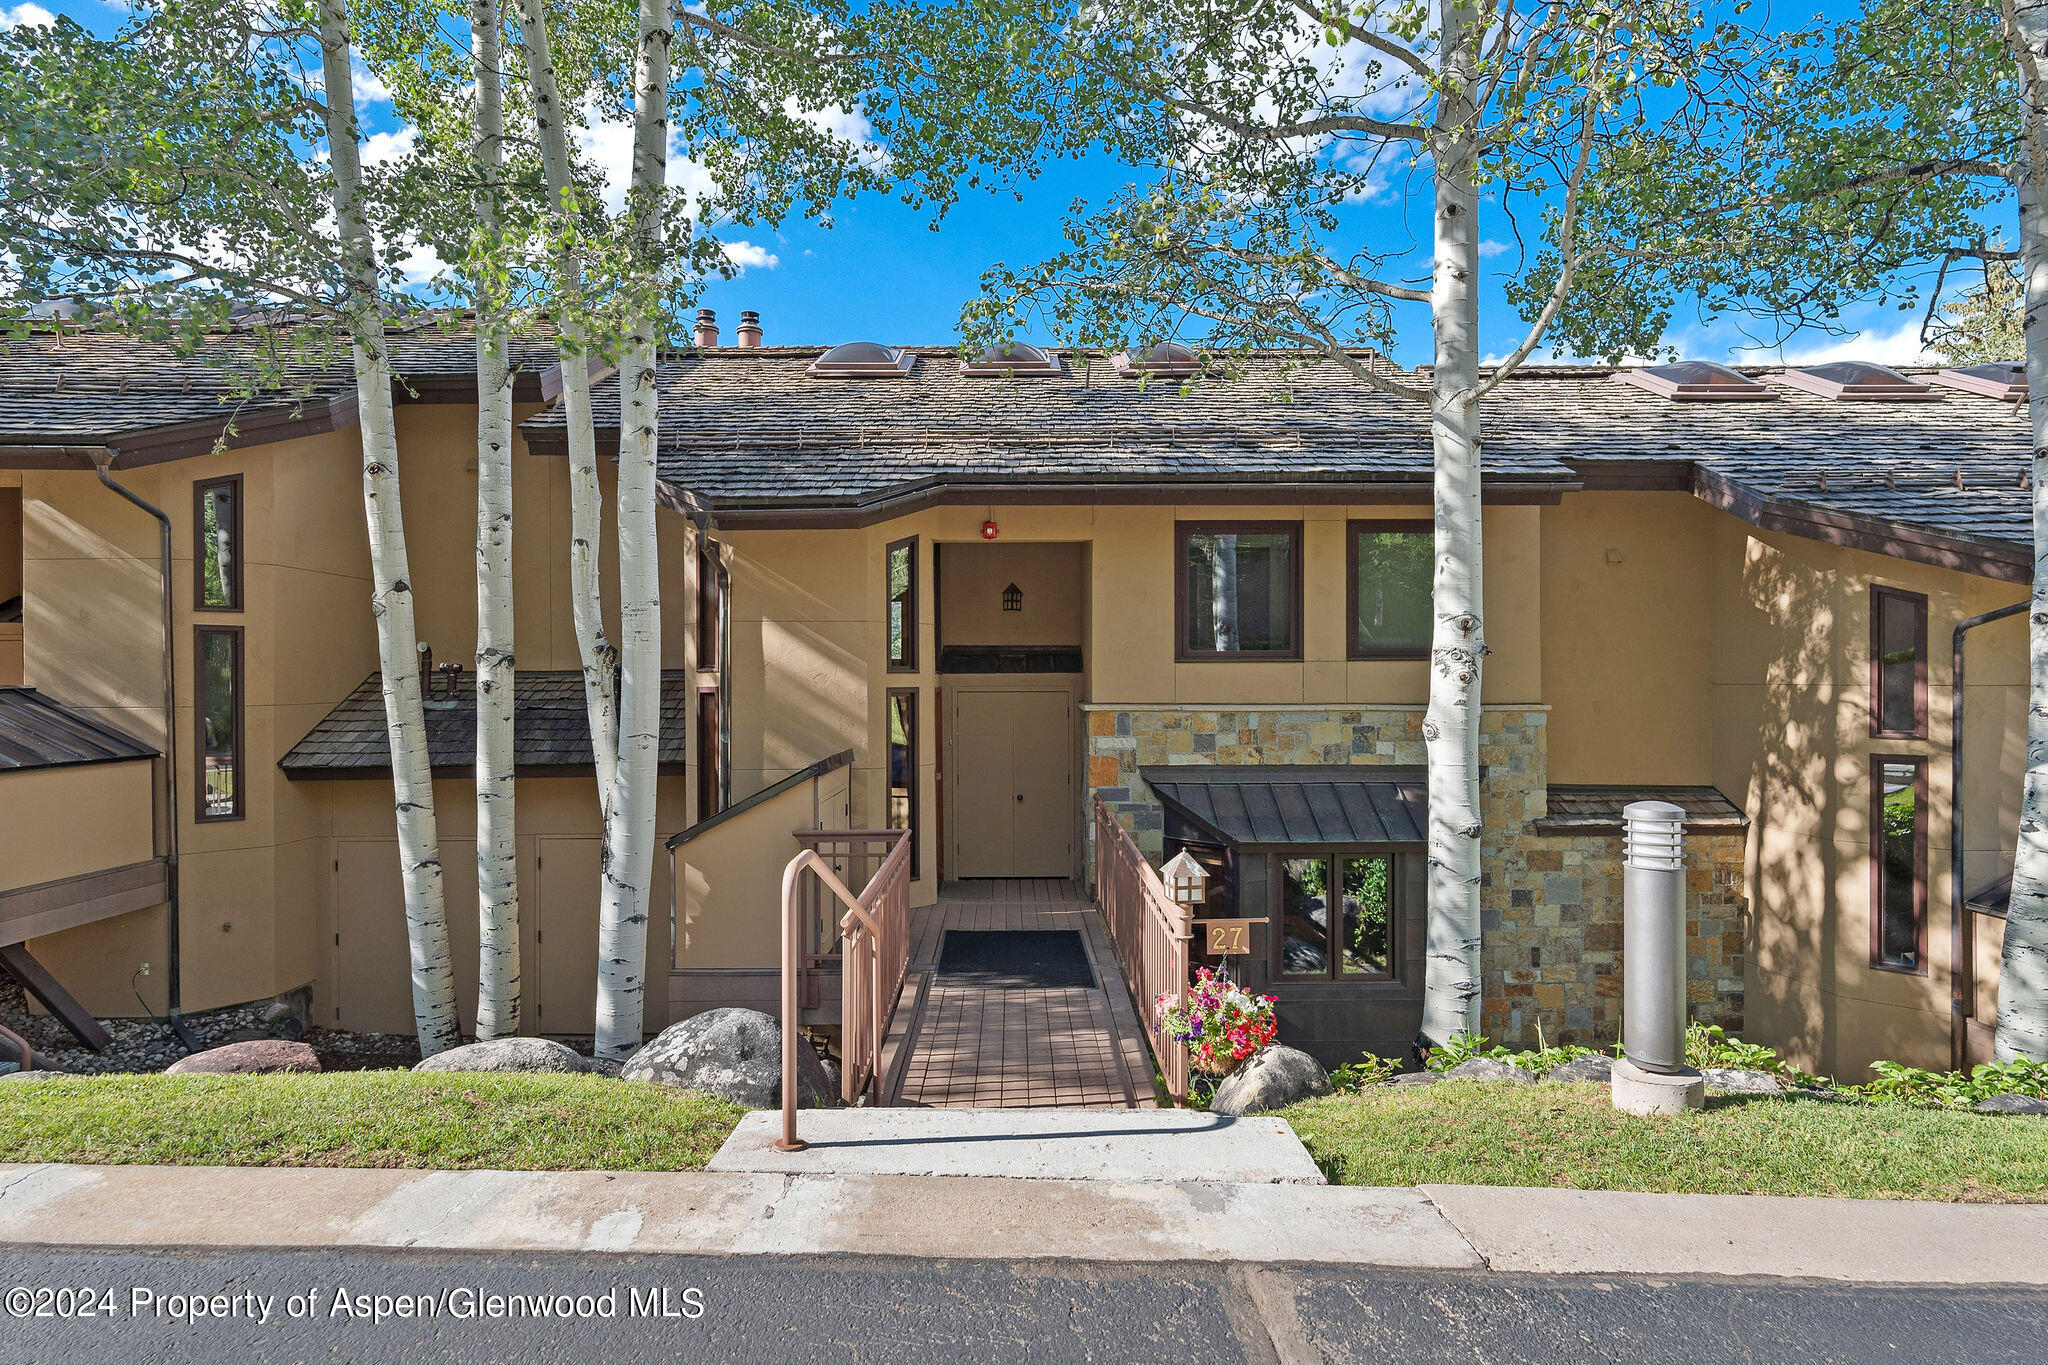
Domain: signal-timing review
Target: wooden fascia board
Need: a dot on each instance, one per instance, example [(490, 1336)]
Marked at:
[(186, 440), (671, 767), (49, 907), (903, 501), (2007, 564)]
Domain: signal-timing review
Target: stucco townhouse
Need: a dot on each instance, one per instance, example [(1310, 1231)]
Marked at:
[(980, 598)]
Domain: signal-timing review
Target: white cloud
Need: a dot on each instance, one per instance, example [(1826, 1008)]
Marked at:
[(26, 14), (841, 124), (380, 148), (1489, 248), (749, 256), (1898, 346), (421, 264), (368, 87), (609, 147)]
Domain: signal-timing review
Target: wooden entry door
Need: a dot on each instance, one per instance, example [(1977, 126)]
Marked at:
[(1013, 784), (372, 957)]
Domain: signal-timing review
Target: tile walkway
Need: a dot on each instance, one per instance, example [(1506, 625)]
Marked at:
[(1032, 1048)]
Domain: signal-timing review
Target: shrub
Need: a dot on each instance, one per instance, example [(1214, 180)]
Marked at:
[(1956, 1089), (1221, 1022), (1369, 1070), (1543, 1060)]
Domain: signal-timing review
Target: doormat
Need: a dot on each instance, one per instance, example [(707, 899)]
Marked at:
[(1014, 959)]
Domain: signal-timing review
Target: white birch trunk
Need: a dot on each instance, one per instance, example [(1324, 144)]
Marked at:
[(1451, 983), (497, 852), (586, 498), (629, 838), (426, 915), (2022, 1029)]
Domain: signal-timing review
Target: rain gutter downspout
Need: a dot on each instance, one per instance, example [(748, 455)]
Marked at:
[(1962, 975), (174, 989)]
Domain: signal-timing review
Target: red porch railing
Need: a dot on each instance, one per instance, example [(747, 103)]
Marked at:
[(872, 942), (1151, 933)]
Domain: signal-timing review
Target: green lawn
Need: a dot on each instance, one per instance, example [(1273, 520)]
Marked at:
[(1570, 1137), (364, 1118)]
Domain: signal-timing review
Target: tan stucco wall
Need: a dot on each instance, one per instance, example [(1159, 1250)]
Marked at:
[(1051, 577), (1789, 690), (66, 822), (1625, 643), (728, 880)]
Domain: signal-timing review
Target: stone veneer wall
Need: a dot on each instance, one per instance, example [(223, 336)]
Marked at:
[(1550, 903)]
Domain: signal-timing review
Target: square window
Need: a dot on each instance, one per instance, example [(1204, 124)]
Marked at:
[(1392, 564), (1240, 591)]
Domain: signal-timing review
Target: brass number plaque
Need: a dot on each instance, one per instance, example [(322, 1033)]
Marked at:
[(1228, 937)]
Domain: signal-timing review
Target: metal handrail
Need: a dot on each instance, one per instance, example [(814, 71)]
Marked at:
[(869, 938)]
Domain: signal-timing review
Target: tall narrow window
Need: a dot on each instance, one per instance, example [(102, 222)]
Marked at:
[(218, 723), (1239, 591), (710, 754), (1898, 863), (901, 622), (217, 544), (1898, 664), (903, 764), (710, 603), (1391, 563), (1336, 917)]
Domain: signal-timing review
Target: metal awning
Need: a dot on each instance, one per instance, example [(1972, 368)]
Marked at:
[(36, 732), (1992, 898), (1278, 804)]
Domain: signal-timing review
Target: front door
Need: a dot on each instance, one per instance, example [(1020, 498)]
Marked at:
[(1013, 784), (563, 983)]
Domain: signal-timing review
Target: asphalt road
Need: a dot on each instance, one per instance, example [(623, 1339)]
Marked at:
[(348, 1307)]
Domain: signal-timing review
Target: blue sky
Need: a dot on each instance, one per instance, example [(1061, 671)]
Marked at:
[(880, 272)]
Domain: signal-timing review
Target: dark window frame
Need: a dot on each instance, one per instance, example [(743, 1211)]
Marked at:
[(907, 663), (1352, 529), (237, 544), (1919, 764), (915, 758), (237, 678), (710, 602), (1333, 973), (1182, 653), (1879, 594), (710, 724)]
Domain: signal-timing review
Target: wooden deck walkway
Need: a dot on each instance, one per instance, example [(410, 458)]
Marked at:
[(957, 1046)]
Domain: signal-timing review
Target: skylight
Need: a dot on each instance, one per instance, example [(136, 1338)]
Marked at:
[(862, 360), (1162, 359), (1696, 381), (1858, 381), (1014, 358), (2003, 380)]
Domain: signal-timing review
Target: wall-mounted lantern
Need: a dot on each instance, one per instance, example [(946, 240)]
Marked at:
[(1186, 880), (1013, 598)]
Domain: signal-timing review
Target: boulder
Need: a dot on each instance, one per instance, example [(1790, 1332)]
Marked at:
[(508, 1054), (1271, 1078), (1489, 1069), (603, 1066), (2012, 1104), (1733, 1080), (1597, 1070), (257, 1058), (733, 1053), (36, 1075), (1416, 1078)]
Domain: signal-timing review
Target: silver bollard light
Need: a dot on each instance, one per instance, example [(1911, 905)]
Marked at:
[(1653, 936)]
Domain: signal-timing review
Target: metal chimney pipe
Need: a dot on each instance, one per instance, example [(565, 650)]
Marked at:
[(706, 337), (748, 332), (1653, 936)]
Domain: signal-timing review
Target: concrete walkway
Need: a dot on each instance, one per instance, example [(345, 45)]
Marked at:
[(1127, 1145), (1440, 1227)]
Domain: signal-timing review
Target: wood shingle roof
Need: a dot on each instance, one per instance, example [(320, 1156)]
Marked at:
[(551, 732)]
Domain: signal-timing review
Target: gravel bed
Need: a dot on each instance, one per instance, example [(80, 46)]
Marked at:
[(145, 1044)]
